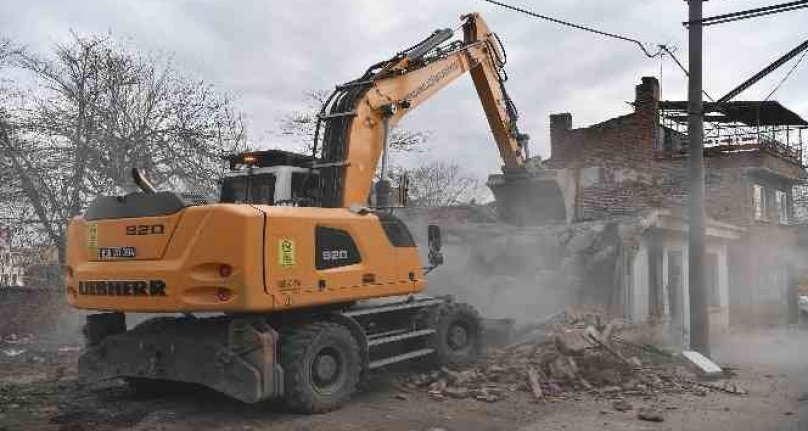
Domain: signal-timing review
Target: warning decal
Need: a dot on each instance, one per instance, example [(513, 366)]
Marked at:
[(92, 238), (286, 252)]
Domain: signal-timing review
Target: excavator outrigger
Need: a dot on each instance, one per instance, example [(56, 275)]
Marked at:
[(310, 288)]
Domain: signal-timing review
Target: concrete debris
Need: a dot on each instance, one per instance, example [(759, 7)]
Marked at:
[(726, 387), (17, 339), (621, 405), (457, 392), (13, 352), (571, 353), (702, 364), (535, 385), (650, 415), (573, 342)]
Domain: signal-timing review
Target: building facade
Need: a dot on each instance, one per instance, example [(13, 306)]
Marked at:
[(636, 164)]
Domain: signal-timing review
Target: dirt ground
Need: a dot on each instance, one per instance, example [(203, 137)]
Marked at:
[(39, 391)]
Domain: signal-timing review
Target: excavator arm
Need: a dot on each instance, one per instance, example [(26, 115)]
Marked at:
[(356, 120)]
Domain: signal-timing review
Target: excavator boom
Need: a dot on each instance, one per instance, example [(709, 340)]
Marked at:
[(359, 114)]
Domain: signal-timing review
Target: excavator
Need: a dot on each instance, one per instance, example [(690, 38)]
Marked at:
[(291, 285)]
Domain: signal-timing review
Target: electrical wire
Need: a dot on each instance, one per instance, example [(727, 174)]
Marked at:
[(751, 13), (578, 26), (682, 67), (786, 76)]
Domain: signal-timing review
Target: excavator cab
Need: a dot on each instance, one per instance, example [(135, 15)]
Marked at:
[(272, 177)]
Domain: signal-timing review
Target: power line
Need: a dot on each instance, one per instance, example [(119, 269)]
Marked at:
[(682, 68), (766, 71), (787, 75), (751, 13), (579, 27)]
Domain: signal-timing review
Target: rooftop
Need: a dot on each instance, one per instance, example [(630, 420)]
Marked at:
[(730, 127), (750, 113)]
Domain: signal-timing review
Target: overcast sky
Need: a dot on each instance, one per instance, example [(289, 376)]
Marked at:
[(270, 52)]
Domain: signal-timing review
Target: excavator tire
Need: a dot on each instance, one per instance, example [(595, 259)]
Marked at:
[(321, 366), (458, 338)]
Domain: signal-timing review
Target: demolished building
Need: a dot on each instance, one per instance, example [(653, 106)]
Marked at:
[(620, 240), (753, 159)]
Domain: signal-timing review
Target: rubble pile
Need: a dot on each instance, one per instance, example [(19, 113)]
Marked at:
[(565, 356), (26, 348)]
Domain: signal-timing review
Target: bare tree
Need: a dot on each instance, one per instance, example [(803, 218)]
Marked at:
[(10, 195), (6, 48), (99, 109), (438, 184), (300, 125)]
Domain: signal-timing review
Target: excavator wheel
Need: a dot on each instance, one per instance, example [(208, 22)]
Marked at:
[(321, 366), (458, 334)]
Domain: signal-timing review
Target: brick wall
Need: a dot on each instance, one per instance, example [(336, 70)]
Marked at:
[(614, 160), (624, 166)]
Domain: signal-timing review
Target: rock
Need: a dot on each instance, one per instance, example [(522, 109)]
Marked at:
[(554, 388), (649, 414), (495, 369), (621, 405), (435, 395), (572, 342), (630, 384), (564, 368), (460, 378), (402, 396), (535, 386), (487, 397), (438, 386), (610, 389), (457, 392), (608, 376)]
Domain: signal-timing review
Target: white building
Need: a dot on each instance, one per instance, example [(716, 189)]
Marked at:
[(658, 289)]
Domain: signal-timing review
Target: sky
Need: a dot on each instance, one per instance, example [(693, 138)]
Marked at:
[(269, 53)]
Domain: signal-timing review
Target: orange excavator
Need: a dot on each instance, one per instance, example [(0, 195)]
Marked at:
[(291, 285)]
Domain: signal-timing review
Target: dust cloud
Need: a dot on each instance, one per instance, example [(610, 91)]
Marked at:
[(525, 273)]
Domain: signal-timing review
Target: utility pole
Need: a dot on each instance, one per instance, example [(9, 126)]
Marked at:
[(699, 318)]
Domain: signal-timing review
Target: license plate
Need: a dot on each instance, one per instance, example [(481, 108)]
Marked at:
[(106, 253)]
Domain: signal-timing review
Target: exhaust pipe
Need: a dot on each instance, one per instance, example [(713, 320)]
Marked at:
[(142, 182)]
